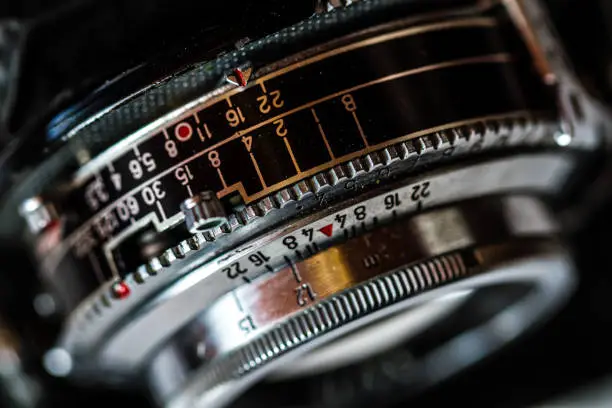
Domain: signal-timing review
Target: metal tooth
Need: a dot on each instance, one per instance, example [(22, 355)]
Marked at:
[(203, 212), (479, 128), (178, 251), (529, 127), (201, 237), (502, 127), (442, 140), (540, 132), (448, 136), (221, 230), (490, 127), (337, 174), (527, 130), (476, 133), (419, 146), (506, 126), (436, 140), (404, 149), (462, 133), (489, 134), (301, 189), (460, 138), (248, 214), (167, 257), (154, 266), (194, 242), (452, 136), (410, 149), (319, 182), (181, 249), (284, 197), (373, 160), (356, 167), (105, 299), (520, 129), (266, 205), (491, 130), (208, 235), (390, 155), (141, 274), (233, 222), (425, 144)]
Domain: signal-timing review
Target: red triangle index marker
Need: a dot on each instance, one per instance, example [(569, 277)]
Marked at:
[(327, 230)]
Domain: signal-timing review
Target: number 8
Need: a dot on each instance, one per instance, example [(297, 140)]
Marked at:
[(171, 148), (349, 103), (215, 161)]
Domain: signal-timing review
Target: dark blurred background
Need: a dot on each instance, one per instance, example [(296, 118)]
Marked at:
[(53, 52)]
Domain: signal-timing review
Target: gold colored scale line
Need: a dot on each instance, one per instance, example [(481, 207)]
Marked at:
[(407, 32), (222, 178), (370, 149), (363, 136), (295, 164), (493, 58), (329, 150), (263, 183)]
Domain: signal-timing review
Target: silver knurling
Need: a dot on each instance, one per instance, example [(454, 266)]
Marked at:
[(203, 212), (335, 312)]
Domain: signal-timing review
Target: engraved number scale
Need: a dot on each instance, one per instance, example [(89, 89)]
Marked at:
[(294, 122)]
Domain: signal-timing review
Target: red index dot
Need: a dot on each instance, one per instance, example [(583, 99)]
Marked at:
[(327, 230), (183, 131), (120, 290)]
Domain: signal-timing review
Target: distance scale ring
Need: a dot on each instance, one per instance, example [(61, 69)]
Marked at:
[(489, 136), (340, 181), (193, 282), (216, 367), (145, 172)]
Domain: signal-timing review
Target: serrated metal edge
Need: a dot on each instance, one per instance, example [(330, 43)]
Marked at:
[(336, 311), (522, 131), (325, 6)]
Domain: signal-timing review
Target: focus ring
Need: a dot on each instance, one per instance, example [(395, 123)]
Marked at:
[(341, 309), (353, 305), (295, 119)]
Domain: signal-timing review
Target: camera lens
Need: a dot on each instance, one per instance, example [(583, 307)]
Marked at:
[(382, 174)]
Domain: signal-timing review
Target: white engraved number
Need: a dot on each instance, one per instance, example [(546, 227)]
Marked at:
[(152, 193)]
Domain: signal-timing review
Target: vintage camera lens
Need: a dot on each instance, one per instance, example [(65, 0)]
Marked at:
[(382, 173)]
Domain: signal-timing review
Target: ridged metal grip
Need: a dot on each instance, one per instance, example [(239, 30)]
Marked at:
[(203, 212)]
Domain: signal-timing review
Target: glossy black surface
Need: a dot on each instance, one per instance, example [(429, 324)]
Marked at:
[(569, 353), (374, 94)]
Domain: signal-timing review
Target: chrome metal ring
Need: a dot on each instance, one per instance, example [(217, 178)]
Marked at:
[(544, 269)]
